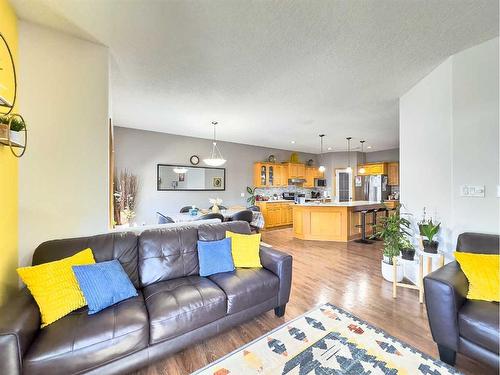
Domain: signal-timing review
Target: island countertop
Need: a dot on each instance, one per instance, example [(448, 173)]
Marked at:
[(333, 221), (339, 204)]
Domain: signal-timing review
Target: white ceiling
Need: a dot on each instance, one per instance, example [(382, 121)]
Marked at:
[(269, 71)]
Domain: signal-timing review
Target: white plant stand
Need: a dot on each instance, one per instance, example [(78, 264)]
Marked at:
[(423, 259)]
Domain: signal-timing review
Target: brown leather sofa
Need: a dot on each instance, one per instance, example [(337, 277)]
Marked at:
[(175, 307), (457, 324)]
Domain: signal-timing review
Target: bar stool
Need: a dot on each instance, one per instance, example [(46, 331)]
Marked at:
[(374, 223), (363, 228)]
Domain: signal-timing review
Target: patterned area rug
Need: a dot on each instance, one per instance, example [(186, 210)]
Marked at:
[(327, 340)]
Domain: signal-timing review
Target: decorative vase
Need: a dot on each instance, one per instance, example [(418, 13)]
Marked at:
[(387, 272), (215, 208), (430, 246)]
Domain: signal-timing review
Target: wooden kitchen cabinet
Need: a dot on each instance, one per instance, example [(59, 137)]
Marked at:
[(311, 174), (372, 169), (269, 175), (393, 174), (296, 170), (276, 213)]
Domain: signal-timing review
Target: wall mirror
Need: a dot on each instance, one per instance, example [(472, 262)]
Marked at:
[(182, 177)]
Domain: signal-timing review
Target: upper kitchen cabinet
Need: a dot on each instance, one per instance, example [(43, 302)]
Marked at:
[(372, 168), (295, 170), (311, 173), (393, 173), (269, 175)]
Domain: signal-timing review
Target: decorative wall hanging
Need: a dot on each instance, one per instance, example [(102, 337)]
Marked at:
[(12, 125)]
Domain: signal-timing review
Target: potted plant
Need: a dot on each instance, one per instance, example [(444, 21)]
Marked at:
[(392, 230), (429, 230), (251, 198), (407, 248), (126, 188), (17, 125)]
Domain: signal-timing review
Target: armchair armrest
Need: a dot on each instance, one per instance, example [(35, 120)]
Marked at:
[(19, 324), (445, 293), (280, 264)]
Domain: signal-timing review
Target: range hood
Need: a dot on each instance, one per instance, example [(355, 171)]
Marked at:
[(296, 181)]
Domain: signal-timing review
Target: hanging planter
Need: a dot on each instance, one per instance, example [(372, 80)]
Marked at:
[(13, 133)]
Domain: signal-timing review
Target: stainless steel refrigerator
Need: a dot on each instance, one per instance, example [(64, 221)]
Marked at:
[(371, 188)]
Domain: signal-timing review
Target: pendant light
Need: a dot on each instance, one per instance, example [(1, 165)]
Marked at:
[(321, 168), (362, 170), (349, 169), (215, 159)]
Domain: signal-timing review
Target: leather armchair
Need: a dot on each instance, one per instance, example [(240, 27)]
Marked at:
[(459, 325), (19, 324)]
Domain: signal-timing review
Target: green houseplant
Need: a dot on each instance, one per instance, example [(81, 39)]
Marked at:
[(407, 248), (251, 198), (392, 230), (17, 125), (429, 230)]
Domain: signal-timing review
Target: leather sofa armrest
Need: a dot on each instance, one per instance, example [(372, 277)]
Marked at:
[(280, 264), (19, 324), (445, 293)]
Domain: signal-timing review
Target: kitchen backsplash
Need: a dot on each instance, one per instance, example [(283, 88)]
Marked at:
[(269, 192)]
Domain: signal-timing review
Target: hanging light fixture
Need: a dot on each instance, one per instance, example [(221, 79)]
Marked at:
[(215, 159), (321, 168), (362, 170), (349, 169)]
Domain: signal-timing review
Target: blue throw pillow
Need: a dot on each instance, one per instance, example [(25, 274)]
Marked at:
[(104, 284), (215, 257)]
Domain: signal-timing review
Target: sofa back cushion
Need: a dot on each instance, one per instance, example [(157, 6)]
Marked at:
[(120, 246), (167, 253), (217, 231), (478, 243)]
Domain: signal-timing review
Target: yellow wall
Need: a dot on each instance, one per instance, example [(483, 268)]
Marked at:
[(8, 180)]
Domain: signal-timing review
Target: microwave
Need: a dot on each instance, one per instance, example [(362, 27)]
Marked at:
[(319, 182)]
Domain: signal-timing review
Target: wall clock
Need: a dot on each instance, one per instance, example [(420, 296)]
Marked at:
[(8, 81), (195, 160)]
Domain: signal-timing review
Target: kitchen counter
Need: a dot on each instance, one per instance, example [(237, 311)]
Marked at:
[(333, 221), (276, 201), (340, 204)]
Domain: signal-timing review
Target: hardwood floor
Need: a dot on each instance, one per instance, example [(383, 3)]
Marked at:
[(344, 274)]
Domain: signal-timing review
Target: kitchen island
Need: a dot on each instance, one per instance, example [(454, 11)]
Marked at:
[(333, 221)]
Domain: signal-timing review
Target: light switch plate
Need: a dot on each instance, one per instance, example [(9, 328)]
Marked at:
[(242, 195), (476, 191)]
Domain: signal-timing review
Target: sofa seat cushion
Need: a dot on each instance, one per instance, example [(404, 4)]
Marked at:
[(478, 322), (246, 287), (181, 305), (79, 342)]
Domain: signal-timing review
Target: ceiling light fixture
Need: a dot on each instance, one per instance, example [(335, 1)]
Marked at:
[(329, 148), (369, 147), (215, 159), (362, 170), (292, 142), (321, 166), (349, 169), (180, 170)]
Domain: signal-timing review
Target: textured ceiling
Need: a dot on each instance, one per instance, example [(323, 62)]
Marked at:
[(269, 71)]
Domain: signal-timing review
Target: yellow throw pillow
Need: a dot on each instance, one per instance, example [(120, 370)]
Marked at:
[(245, 249), (483, 273), (54, 286)]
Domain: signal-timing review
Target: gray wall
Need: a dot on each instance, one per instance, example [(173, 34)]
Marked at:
[(140, 151), (385, 155), (449, 137)]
